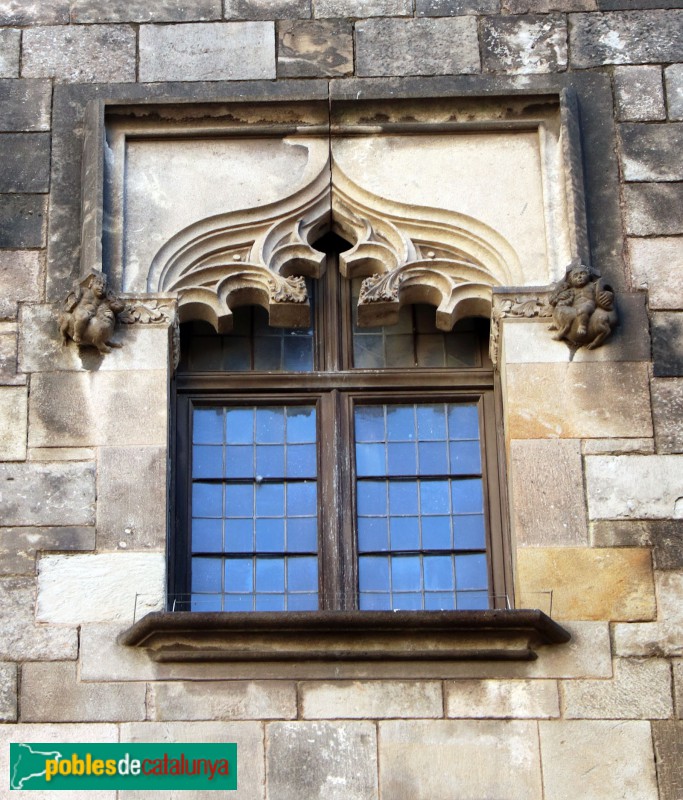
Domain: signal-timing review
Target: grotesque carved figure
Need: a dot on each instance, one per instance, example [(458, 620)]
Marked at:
[(89, 314), (583, 307)]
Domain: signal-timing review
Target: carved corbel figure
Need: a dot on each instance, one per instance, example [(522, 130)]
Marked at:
[(88, 316), (583, 307)]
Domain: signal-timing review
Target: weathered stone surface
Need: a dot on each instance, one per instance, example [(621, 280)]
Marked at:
[(363, 8), (25, 105), (455, 8), (678, 684), (212, 700), (80, 409), (22, 220), (267, 9), (667, 412), (525, 44), (47, 494), (661, 638), (634, 487), (502, 699), (32, 12), (653, 209), (247, 735), (88, 54), (632, 37), (20, 638), (639, 93), (639, 690), (599, 447), (544, 6), (667, 345), (664, 536), (602, 759), (51, 692), (586, 583), (18, 546), (8, 361), (144, 11), (103, 659), (652, 152), (548, 503), (673, 77), (20, 273), (578, 400), (310, 49), (209, 51), (13, 412), (9, 52), (25, 162), (61, 454), (379, 700), (657, 265), (668, 739), (335, 760), (417, 47), (8, 692), (106, 587), (430, 760)]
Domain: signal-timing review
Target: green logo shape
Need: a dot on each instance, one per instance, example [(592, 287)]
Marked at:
[(123, 766)]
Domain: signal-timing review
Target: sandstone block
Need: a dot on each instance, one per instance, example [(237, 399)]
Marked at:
[(207, 51), (639, 93), (25, 105), (363, 8), (81, 409), (22, 220), (601, 759), (667, 345), (668, 740), (373, 699), (20, 272), (599, 447), (417, 47), (26, 162), (8, 692), (673, 77), (426, 760), (89, 11), (652, 209), (62, 454), (32, 12), (9, 52), (88, 54), (525, 44), (664, 536), (51, 692), (544, 6), (586, 583), (502, 699), (678, 684), (634, 487), (103, 659), (310, 49), (657, 265), (455, 8), (18, 546), (335, 760), (20, 638), (267, 9), (8, 361), (639, 690), (652, 152), (590, 400), (548, 503), (213, 700), (47, 494), (13, 410), (667, 412), (629, 37)]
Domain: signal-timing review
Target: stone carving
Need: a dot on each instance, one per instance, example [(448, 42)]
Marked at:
[(288, 290), (583, 307), (517, 303), (147, 312), (89, 313)]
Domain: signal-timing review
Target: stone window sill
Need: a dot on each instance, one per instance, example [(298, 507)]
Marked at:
[(497, 635)]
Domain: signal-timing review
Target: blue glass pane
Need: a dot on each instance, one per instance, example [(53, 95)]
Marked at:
[(302, 535), (473, 601), (207, 461), (439, 573), (207, 500), (270, 535), (206, 575), (205, 602), (405, 533), (301, 424), (433, 458), (270, 500), (270, 425), (467, 496), (270, 602), (372, 534), (239, 602), (431, 422), (239, 500), (406, 602), (302, 499), (270, 461), (406, 574), (463, 421), (374, 602), (436, 533), (207, 426), (400, 424), (401, 459), (371, 498), (302, 461), (239, 575), (470, 533), (207, 536), (302, 574), (370, 459), (239, 461), (270, 574), (302, 602), (470, 572), (403, 498), (239, 536), (439, 601), (465, 458), (434, 497), (239, 425), (298, 353), (373, 573), (369, 422)]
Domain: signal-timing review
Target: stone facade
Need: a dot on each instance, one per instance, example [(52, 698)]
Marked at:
[(592, 440)]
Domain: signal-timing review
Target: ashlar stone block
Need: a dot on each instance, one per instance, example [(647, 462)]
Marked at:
[(51, 692), (103, 587), (310, 49), (639, 690), (601, 447), (32, 12), (639, 93), (673, 77), (652, 152), (602, 759), (430, 760), (25, 105), (8, 692), (664, 536), (544, 6), (500, 699), (19, 546), (20, 273), (455, 8), (668, 739), (267, 9), (362, 8), (653, 209), (89, 11), (22, 220), (103, 659), (657, 265), (371, 699), (10, 39), (586, 583), (667, 412), (525, 44), (678, 685), (13, 422), (667, 344), (26, 162), (334, 760)]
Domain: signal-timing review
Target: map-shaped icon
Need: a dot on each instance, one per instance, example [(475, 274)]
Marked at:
[(30, 763)]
